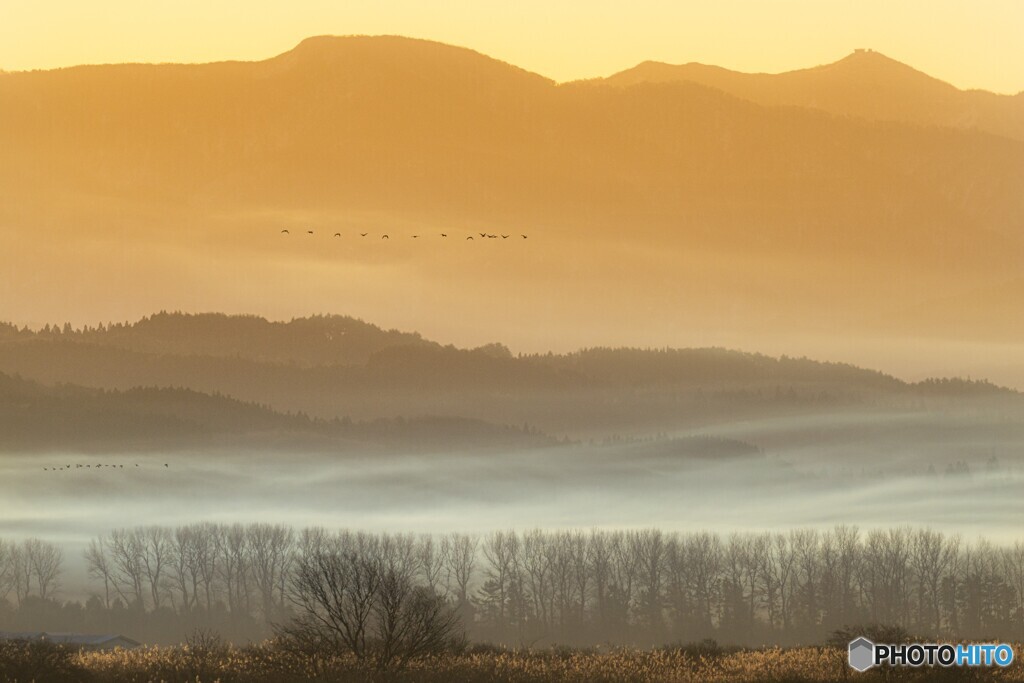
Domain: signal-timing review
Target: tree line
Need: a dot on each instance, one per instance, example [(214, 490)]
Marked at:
[(641, 587)]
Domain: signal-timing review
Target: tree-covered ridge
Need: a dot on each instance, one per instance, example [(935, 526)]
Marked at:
[(73, 418), (335, 340), (314, 340), (335, 367)]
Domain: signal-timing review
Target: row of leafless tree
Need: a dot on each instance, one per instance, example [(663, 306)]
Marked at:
[(195, 567), (566, 586), (29, 568), (745, 587)]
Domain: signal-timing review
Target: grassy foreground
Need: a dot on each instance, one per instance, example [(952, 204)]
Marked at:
[(263, 664)]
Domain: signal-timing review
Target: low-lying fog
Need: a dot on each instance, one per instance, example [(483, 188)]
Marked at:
[(858, 469), (958, 474)]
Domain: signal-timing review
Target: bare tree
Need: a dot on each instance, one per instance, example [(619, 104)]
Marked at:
[(738, 586), (334, 592), (806, 547), (625, 570), (599, 560), (704, 560), (359, 594), (155, 544), (780, 572), (186, 564), (759, 552), (847, 544), (579, 553), (126, 555), (536, 571), (677, 589), (100, 567), (6, 569), (928, 564), (500, 550), (271, 553), (430, 556), (20, 571), (44, 560), (207, 544), (460, 557), (410, 621), (234, 567), (649, 546)]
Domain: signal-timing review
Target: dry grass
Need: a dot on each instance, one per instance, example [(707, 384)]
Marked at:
[(265, 664)]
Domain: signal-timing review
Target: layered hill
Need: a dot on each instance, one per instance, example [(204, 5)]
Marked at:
[(590, 393), (129, 188), (37, 417)]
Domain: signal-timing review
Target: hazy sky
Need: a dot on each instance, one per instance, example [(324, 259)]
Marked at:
[(970, 44)]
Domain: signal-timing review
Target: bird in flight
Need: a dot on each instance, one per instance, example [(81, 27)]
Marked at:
[(309, 232), (337, 234), (483, 234), (504, 237), (415, 236), (443, 235), (523, 236), (384, 237), (363, 234), (470, 237), (285, 232)]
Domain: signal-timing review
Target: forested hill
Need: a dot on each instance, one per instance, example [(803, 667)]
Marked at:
[(317, 340), (66, 417), (141, 351), (336, 367)]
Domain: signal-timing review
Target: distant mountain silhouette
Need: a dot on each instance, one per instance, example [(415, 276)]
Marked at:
[(734, 215), (865, 84)]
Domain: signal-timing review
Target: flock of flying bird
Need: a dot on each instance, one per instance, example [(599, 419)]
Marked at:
[(385, 236), (89, 466)]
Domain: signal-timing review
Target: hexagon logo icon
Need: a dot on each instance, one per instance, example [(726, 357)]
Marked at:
[(862, 654)]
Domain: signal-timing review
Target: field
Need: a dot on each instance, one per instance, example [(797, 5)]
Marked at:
[(265, 663)]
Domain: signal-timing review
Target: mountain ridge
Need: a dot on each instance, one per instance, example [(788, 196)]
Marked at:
[(737, 216), (326, 44), (864, 74)]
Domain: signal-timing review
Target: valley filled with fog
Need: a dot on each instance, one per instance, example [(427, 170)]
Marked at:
[(958, 475)]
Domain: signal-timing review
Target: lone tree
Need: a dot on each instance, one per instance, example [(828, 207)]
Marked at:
[(359, 594)]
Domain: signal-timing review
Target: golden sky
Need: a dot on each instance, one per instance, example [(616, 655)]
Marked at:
[(972, 44)]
